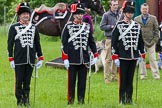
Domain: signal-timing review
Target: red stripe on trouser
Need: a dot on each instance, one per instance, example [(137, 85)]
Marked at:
[(68, 89), (119, 82)]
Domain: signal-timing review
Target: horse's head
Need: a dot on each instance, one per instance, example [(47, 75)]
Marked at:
[(96, 5)]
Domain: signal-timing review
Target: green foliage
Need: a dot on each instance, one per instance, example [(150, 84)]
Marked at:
[(98, 34), (1, 12), (106, 4)]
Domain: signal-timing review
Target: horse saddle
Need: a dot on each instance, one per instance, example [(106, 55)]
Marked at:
[(59, 11)]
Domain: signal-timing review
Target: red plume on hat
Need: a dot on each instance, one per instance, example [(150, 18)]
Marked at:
[(73, 8), (17, 8), (22, 7), (128, 6), (78, 8), (78, 1), (124, 3)]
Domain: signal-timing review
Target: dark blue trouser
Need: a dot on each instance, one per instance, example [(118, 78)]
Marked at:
[(127, 68), (77, 72), (23, 76)]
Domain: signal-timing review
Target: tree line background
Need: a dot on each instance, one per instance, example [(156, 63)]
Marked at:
[(11, 5)]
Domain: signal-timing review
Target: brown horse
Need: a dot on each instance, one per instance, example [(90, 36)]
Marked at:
[(53, 27)]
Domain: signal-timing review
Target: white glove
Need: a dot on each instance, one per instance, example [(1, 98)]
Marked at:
[(94, 61), (12, 64), (39, 64), (140, 60), (117, 62), (66, 63)]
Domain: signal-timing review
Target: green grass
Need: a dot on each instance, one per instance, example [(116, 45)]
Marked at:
[(51, 86)]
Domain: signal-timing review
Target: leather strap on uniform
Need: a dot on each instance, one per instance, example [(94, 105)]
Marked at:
[(126, 31), (77, 33)]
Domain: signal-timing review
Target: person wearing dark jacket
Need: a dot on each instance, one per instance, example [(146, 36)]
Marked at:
[(127, 48), (160, 52), (23, 47), (160, 29), (76, 38)]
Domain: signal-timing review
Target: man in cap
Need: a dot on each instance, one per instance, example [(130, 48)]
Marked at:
[(127, 48), (23, 45), (76, 38)]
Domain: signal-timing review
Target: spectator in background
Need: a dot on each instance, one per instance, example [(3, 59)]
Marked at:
[(88, 19), (107, 24), (150, 34)]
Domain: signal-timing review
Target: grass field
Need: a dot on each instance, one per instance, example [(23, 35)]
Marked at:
[(51, 85)]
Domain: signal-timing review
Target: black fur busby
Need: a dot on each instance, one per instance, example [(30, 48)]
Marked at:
[(78, 8), (129, 7), (23, 7)]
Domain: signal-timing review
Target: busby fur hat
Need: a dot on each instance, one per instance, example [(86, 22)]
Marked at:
[(129, 6), (78, 8), (23, 7)]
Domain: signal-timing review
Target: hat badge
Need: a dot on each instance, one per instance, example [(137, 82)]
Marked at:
[(132, 3), (25, 4)]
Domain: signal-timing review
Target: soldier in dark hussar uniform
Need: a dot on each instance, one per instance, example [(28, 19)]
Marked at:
[(160, 52), (76, 38), (23, 45), (127, 48)]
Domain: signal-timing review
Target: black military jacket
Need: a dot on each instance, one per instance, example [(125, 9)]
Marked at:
[(76, 49), (129, 46), (23, 47)]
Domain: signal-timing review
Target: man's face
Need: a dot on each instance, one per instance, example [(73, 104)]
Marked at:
[(129, 15), (78, 17), (25, 16), (114, 5), (144, 10)]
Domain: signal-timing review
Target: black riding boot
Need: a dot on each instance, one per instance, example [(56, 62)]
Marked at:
[(122, 99), (128, 99), (26, 101), (20, 102), (71, 101), (80, 100)]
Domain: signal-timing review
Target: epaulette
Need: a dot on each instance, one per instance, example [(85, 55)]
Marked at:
[(14, 24)]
